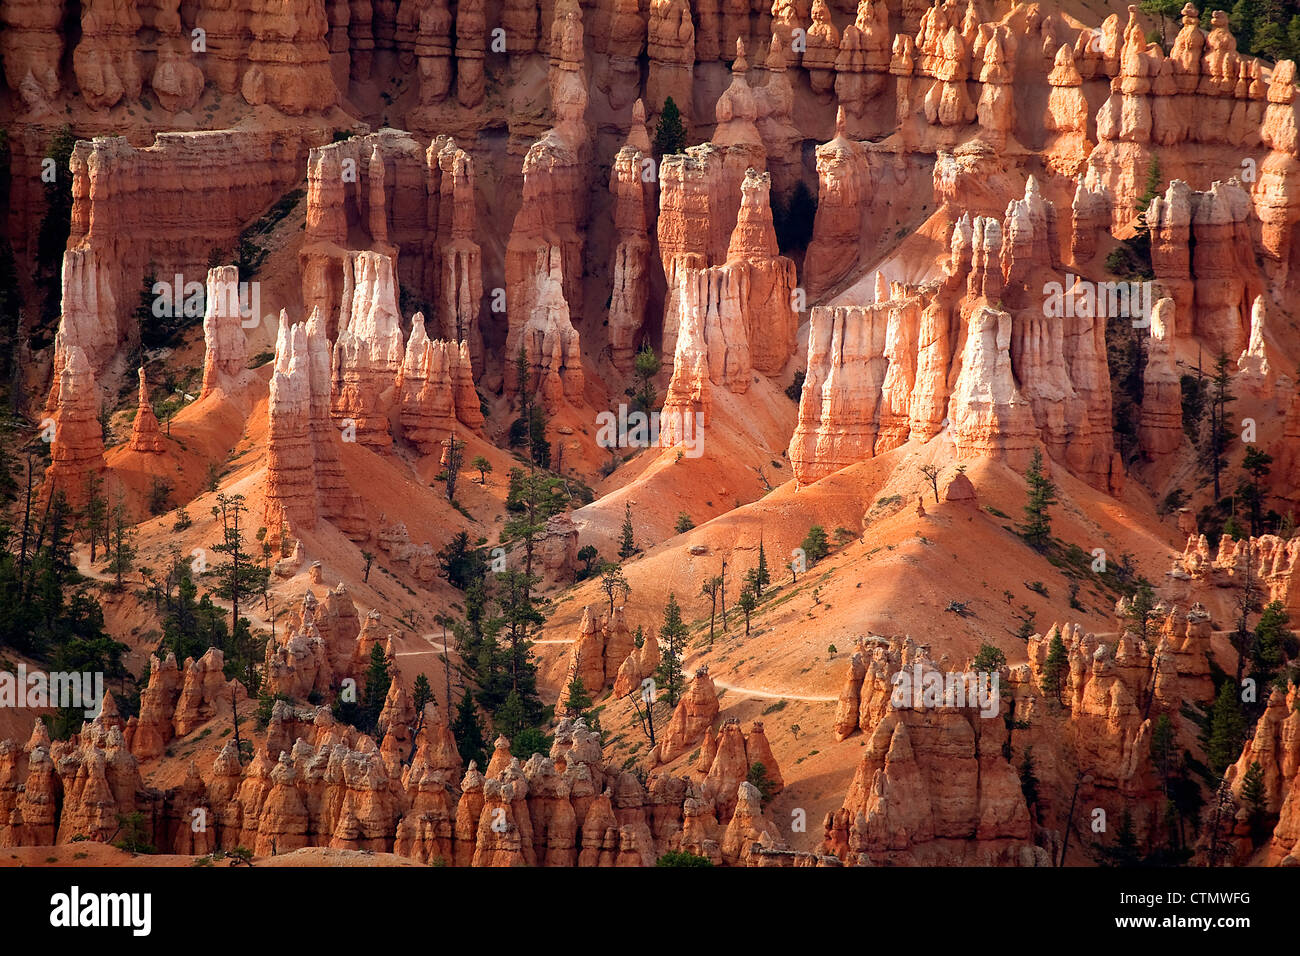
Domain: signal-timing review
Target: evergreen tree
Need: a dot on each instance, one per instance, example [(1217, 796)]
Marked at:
[(816, 545), (612, 583), (1274, 643), (747, 604), (455, 455), (577, 701), (1164, 755), (482, 466), (1029, 782), (672, 635), (1138, 611), (1256, 464), (421, 694), (377, 682), (1254, 795), (1164, 12), (1227, 729), (1041, 495), (762, 577), (467, 728), (237, 577), (683, 858), (989, 659), (1220, 435), (646, 365), (1055, 669), (670, 132), (758, 778), (462, 564), (627, 546), (684, 523), (121, 544)]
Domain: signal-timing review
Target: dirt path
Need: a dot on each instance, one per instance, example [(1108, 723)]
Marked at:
[(771, 695), (437, 647), (81, 558)]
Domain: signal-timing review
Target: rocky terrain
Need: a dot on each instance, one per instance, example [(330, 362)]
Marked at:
[(553, 434)]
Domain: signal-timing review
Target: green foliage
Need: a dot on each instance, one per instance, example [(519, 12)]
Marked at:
[(52, 234), (1194, 397), (989, 659), (132, 834), (794, 391), (1274, 643), (587, 554), (672, 637), (646, 366), (747, 602), (1254, 796), (1220, 434), (462, 564), (1029, 781), (816, 545), (757, 777), (762, 577), (1055, 668), (467, 728), (530, 741), (670, 131), (683, 858), (627, 544), (684, 523), (265, 705), (1227, 729), (1040, 496)]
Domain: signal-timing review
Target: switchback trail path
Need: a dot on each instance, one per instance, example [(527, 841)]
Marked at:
[(81, 557), (437, 647), (772, 695)]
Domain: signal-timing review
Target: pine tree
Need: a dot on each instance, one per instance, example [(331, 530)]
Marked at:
[(627, 546), (376, 689), (1163, 751), (816, 545), (758, 778), (1029, 781), (612, 583), (1220, 398), (1254, 796), (1227, 729), (577, 700), (1055, 668), (747, 604), (467, 728), (1041, 495), (421, 694), (1272, 640), (646, 366), (672, 635), (762, 577), (670, 132)]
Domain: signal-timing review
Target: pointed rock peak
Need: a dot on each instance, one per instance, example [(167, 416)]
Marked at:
[(741, 65), (841, 123), (776, 55), (637, 136)]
